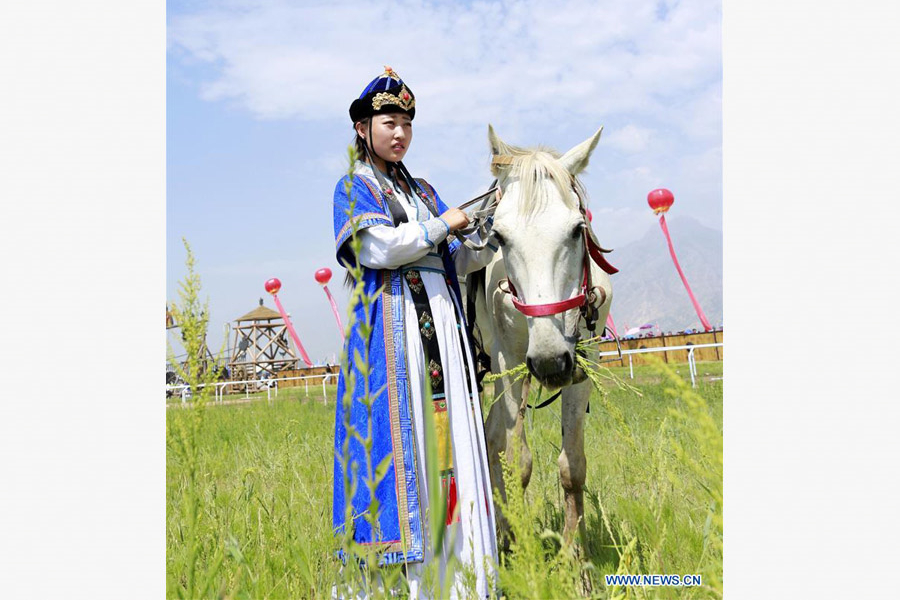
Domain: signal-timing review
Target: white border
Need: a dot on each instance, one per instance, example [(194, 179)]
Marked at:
[(811, 179), (83, 228)]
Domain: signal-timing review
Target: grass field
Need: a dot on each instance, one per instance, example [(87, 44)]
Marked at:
[(249, 495)]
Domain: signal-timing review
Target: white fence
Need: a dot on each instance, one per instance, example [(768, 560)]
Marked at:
[(185, 391), (692, 362), (272, 384)]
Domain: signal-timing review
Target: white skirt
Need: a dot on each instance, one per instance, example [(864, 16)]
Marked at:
[(475, 543)]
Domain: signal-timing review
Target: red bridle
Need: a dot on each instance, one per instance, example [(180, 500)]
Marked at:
[(593, 251), (551, 308)]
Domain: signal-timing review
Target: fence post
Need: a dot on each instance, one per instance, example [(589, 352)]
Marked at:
[(691, 367), (630, 366)]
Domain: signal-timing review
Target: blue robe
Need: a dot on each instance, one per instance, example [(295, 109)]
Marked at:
[(401, 518)]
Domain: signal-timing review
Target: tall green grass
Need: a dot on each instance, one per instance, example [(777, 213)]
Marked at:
[(264, 475), (265, 483), (182, 447)]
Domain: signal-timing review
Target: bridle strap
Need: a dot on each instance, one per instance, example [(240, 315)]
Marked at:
[(544, 310), (596, 252)]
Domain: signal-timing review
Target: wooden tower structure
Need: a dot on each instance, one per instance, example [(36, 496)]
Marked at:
[(261, 343)]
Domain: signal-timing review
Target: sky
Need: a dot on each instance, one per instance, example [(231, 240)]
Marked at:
[(257, 124)]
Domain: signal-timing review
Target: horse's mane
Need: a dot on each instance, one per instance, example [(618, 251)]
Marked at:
[(530, 166)]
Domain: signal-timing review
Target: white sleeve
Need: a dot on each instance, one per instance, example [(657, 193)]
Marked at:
[(386, 247)]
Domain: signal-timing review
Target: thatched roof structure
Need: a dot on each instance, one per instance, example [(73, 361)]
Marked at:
[(260, 343), (260, 313)]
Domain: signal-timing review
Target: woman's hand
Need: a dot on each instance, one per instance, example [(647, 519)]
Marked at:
[(455, 219)]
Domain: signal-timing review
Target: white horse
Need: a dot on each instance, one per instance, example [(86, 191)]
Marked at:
[(540, 226)]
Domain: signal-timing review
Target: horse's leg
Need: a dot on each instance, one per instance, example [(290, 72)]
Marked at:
[(516, 443), (572, 462), (495, 434), (505, 439)]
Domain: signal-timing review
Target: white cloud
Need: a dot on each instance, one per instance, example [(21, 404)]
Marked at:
[(498, 60)]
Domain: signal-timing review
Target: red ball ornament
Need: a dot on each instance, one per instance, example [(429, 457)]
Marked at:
[(660, 200), (589, 215), (435, 373), (323, 275), (273, 285)]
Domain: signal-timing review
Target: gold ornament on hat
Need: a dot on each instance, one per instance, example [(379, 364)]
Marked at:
[(389, 72), (403, 99)]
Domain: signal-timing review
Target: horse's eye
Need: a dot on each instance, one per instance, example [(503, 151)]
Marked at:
[(578, 230)]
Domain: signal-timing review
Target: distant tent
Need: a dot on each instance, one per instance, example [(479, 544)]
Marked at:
[(637, 330)]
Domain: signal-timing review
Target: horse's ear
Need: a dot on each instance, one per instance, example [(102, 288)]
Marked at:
[(576, 159), (498, 148)]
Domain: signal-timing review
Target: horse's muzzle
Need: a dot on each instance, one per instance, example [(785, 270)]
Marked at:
[(552, 371)]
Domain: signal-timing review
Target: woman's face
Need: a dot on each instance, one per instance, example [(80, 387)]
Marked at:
[(391, 135)]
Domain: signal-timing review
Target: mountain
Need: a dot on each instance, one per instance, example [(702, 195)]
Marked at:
[(647, 288)]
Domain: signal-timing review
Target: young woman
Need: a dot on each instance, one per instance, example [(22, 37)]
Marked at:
[(418, 336)]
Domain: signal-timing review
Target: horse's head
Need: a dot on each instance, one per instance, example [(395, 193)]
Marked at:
[(539, 226)]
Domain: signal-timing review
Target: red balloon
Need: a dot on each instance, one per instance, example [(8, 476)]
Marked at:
[(273, 285), (660, 200), (589, 215), (323, 275)]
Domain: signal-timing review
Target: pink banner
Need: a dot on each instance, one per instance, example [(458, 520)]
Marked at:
[(290, 327), (662, 223), (337, 315)]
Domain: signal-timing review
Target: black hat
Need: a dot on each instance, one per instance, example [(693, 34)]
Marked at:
[(385, 94)]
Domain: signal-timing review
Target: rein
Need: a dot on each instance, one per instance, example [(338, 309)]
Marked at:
[(481, 219)]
